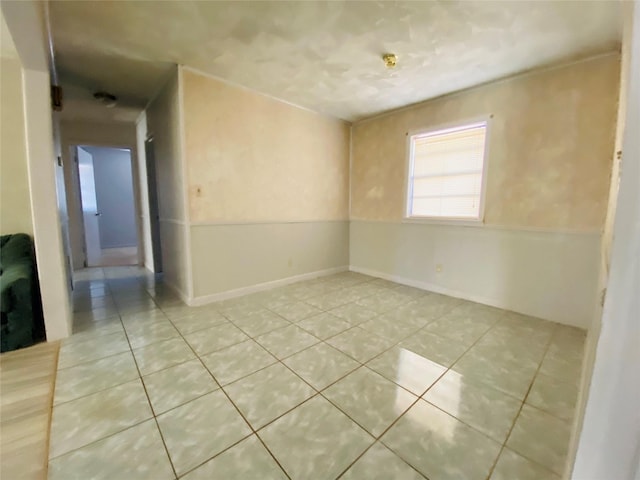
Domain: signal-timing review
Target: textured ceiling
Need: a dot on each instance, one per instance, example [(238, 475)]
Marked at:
[(325, 56)]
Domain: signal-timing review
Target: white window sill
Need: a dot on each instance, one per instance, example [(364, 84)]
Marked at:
[(461, 222)]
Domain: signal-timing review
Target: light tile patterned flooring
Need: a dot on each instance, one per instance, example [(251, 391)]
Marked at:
[(343, 376), (112, 257)]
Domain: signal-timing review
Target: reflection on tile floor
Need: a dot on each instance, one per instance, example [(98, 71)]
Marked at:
[(343, 376)]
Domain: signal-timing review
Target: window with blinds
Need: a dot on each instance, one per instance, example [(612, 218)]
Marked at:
[(446, 170)]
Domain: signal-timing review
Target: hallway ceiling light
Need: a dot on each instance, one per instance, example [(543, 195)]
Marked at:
[(107, 99)]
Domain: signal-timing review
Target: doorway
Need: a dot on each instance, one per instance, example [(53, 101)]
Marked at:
[(107, 199)]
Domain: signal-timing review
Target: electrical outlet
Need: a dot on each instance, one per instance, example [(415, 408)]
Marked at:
[(290, 263), (439, 268)]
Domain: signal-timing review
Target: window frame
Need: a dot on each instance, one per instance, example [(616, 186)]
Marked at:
[(408, 197)]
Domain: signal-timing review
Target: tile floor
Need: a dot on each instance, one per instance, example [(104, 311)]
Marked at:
[(345, 376), (112, 257)]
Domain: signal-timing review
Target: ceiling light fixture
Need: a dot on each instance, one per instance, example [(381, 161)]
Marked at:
[(390, 60), (107, 99)]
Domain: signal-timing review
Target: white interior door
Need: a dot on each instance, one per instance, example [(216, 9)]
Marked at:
[(90, 213)]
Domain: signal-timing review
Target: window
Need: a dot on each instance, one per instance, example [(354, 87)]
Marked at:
[(446, 172)]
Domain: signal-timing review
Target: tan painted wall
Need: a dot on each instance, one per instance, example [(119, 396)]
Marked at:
[(550, 145), (625, 60), (15, 203), (145, 217), (164, 124), (253, 158)]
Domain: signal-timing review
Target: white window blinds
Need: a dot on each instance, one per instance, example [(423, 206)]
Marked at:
[(445, 174)]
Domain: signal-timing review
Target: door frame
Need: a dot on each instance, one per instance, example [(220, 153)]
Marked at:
[(74, 202), (85, 247), (154, 208)]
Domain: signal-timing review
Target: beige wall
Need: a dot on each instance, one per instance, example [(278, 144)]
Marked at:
[(98, 133), (230, 258), (268, 187), (616, 153), (550, 155), (15, 204), (550, 145), (145, 218), (253, 158), (164, 123)]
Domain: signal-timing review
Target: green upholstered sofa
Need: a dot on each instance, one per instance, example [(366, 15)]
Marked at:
[(20, 305)]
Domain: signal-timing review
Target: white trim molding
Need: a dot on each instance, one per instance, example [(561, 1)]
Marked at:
[(482, 226), (218, 223)]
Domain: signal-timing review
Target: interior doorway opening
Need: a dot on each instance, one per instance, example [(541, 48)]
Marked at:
[(107, 199)]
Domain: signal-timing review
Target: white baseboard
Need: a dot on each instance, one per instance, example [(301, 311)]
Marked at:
[(238, 292), (431, 287)]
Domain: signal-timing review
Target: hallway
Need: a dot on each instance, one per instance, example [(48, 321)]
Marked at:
[(341, 376)]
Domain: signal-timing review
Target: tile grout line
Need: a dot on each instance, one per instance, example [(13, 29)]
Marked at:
[(153, 413), (290, 322), (253, 431), (517, 416), (85, 362), (495, 323), (236, 407), (93, 442), (420, 397), (319, 392), (129, 381), (448, 369)]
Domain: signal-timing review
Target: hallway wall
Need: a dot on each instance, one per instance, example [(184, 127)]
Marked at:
[(15, 204), (268, 187), (23, 20), (164, 122), (145, 215)]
